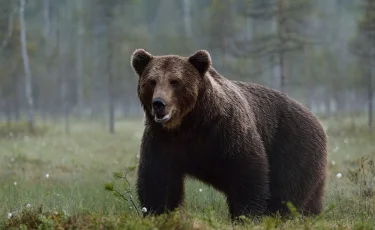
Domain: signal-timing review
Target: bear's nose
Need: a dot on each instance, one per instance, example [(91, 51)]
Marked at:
[(158, 105)]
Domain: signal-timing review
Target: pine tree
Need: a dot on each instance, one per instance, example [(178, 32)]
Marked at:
[(363, 46), (285, 20)]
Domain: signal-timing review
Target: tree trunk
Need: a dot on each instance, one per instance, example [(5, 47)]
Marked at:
[(111, 106), (18, 89), (25, 57), (64, 92), (16, 107), (79, 57), (46, 12), (187, 17), (370, 98), (8, 111), (280, 26), (64, 34), (282, 75)]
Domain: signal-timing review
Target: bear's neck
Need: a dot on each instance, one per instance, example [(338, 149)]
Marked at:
[(210, 105)]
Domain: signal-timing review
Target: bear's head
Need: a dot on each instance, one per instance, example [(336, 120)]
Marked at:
[(169, 86)]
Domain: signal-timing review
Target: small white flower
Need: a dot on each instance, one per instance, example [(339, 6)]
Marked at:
[(10, 215), (15, 183), (12, 159), (28, 205), (47, 175), (339, 175), (138, 156), (144, 209), (200, 190), (131, 207), (333, 163)]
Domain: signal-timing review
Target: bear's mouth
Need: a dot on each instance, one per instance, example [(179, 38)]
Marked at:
[(161, 118)]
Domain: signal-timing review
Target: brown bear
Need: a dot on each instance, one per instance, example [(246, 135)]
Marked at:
[(255, 144)]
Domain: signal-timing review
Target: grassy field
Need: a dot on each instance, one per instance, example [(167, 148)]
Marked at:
[(57, 181)]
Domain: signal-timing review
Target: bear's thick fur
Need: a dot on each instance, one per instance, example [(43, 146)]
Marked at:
[(256, 145)]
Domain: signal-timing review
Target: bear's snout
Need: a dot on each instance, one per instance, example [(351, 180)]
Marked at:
[(158, 105), (160, 111)]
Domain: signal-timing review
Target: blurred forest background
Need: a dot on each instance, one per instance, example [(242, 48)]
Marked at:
[(71, 58)]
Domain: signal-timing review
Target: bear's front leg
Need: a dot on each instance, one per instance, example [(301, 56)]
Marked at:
[(160, 184), (249, 187)]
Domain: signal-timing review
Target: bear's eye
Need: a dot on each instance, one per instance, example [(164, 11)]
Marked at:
[(152, 83), (174, 83)]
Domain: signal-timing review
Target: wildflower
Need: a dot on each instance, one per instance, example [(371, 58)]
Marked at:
[(144, 209), (200, 190), (138, 156), (339, 175), (15, 183), (28, 205), (10, 215), (12, 159), (47, 175), (333, 162)]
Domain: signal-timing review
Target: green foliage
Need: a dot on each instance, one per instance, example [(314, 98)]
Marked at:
[(362, 175), (128, 194), (34, 218)]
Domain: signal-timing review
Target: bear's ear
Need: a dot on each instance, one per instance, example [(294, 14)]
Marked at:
[(139, 60), (201, 60)]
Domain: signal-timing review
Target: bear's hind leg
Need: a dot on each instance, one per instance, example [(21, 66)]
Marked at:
[(276, 206), (248, 189), (315, 204)]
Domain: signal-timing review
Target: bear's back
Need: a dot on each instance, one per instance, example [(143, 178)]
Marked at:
[(276, 112)]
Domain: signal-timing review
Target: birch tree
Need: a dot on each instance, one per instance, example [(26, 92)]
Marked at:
[(25, 58)]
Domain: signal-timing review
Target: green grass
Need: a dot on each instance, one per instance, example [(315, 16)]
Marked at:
[(79, 164)]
